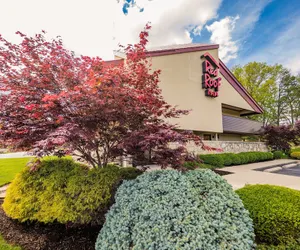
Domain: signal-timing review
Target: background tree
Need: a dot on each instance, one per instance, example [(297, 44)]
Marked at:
[(260, 81), (275, 89), (58, 103), (291, 97)]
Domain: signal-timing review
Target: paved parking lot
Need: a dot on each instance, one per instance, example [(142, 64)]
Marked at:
[(248, 174)]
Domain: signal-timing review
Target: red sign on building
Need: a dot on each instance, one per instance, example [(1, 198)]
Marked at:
[(210, 80)]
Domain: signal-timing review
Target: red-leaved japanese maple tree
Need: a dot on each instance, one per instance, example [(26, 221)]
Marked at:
[(282, 137), (54, 102)]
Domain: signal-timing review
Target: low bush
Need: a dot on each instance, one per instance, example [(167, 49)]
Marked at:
[(295, 155), (296, 149), (170, 210), (215, 160), (244, 159), (191, 165), (236, 159), (61, 190), (291, 246), (229, 159), (278, 155), (275, 212)]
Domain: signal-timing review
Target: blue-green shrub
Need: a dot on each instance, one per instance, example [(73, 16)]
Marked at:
[(169, 210)]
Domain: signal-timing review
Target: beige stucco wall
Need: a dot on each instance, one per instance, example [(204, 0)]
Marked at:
[(181, 84)]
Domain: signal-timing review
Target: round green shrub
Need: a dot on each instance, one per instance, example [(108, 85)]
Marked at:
[(61, 190), (236, 159), (295, 155), (215, 160), (251, 157), (291, 246), (191, 165), (228, 159), (170, 210), (275, 212), (244, 157), (278, 155)]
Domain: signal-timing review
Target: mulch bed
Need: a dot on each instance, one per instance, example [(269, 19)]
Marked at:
[(41, 237)]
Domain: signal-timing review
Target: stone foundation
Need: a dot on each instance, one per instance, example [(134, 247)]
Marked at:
[(229, 147)]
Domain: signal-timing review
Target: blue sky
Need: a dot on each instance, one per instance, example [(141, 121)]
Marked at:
[(254, 30), (262, 26), (246, 30)]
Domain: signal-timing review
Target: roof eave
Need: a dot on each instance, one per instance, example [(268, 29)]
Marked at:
[(181, 50), (240, 88)]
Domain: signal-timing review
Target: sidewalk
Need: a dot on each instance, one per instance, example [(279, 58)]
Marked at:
[(246, 174), (14, 155), (3, 191)]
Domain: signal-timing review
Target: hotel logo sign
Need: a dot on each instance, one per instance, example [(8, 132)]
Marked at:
[(210, 80)]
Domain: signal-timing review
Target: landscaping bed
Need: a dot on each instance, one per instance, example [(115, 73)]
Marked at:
[(5, 246), (56, 203), (37, 236)]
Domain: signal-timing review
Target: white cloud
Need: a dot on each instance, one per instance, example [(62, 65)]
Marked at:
[(222, 35), (232, 32), (95, 27), (294, 63), (284, 50), (249, 15)]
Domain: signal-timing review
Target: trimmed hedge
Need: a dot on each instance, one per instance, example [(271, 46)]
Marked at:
[(295, 155), (296, 149), (61, 190), (279, 155), (170, 210), (291, 246), (191, 165), (213, 159), (230, 159), (275, 212)]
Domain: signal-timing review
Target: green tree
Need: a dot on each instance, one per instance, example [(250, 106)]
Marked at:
[(291, 97), (260, 81), (280, 105)]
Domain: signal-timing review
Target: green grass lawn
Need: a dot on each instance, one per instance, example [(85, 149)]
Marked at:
[(10, 167), (5, 246)]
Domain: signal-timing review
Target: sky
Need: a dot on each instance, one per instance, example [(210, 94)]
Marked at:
[(246, 30)]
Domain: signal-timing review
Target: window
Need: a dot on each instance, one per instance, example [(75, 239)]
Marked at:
[(207, 137)]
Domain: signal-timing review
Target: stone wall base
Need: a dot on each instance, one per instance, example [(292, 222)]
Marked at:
[(229, 147)]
